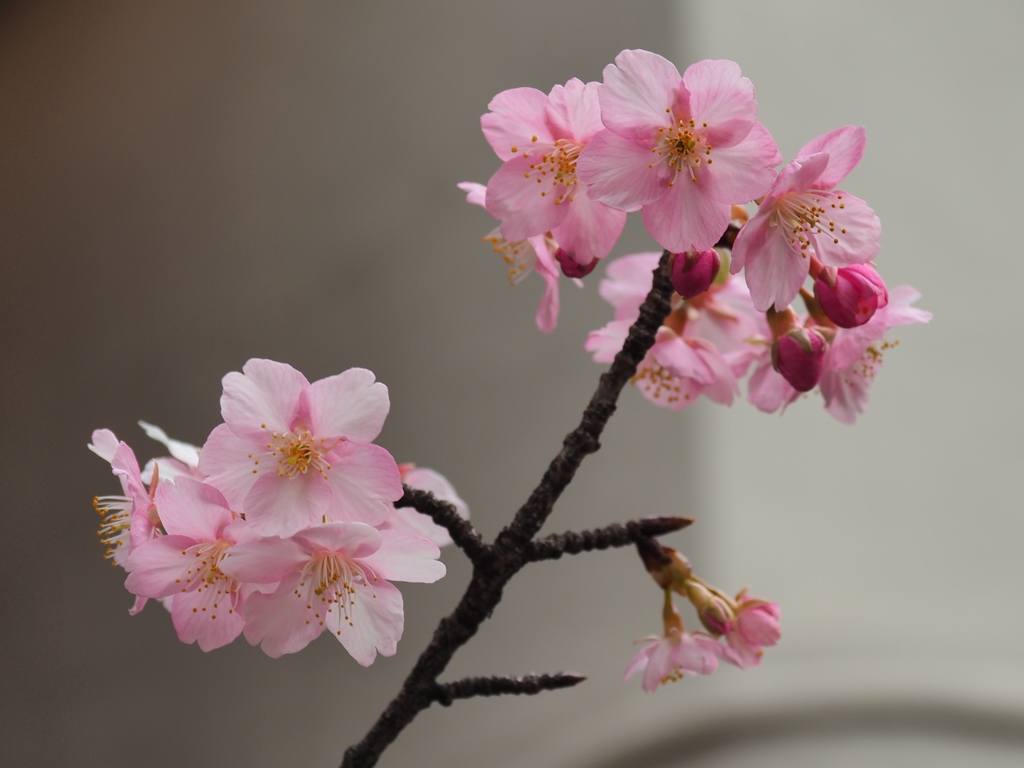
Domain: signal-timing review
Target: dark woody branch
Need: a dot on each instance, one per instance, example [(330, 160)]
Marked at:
[(463, 534), (496, 564), (616, 535), (445, 693)]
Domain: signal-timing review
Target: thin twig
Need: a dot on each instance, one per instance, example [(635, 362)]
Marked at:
[(445, 693), (463, 534), (508, 554), (615, 535)]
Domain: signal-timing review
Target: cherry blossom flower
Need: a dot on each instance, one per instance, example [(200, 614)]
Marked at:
[(291, 454), (337, 577), (755, 626), (856, 354), (536, 191), (850, 296), (804, 215), (532, 254), (676, 653), (185, 563), (682, 149), (410, 521)]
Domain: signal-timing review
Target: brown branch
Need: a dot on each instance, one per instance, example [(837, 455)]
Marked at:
[(463, 534), (616, 535), (445, 693), (509, 552)]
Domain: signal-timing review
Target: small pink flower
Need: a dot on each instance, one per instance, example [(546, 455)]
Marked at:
[(185, 564), (337, 577), (850, 296), (536, 191), (682, 149), (291, 454), (534, 254), (678, 653), (755, 627), (804, 215)]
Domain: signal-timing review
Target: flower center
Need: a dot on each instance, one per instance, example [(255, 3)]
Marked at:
[(683, 148), (299, 452), (331, 582), (804, 216), (115, 520), (557, 166)]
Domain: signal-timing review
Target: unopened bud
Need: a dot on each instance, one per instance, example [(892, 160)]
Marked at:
[(799, 355), (572, 268), (714, 611), (693, 272), (850, 296)]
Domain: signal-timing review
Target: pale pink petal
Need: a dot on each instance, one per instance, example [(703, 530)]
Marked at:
[(768, 390), (406, 558), (639, 90), (524, 200), (547, 310), (743, 172), (377, 622), (224, 459), (722, 98), (636, 664), (627, 282), (590, 229), (659, 665), (264, 397), (277, 622), (354, 540), (680, 358), (186, 453), (853, 224), (619, 172), (696, 654), (349, 405), (207, 615), (723, 388), (190, 508), (775, 271), (475, 193), (364, 479), (155, 568), (279, 506), (104, 444), (686, 217), (574, 111), (606, 342), (798, 176), (264, 561), (515, 117), (845, 147)]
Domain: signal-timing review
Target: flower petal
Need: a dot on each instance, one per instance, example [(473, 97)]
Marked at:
[(377, 621), (516, 116), (618, 172), (639, 91), (686, 217), (845, 147), (349, 405), (590, 229), (524, 200), (263, 397), (406, 558), (190, 508), (721, 97)]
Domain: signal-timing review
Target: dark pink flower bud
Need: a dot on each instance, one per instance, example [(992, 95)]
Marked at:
[(850, 296), (693, 272), (799, 356), (572, 268)]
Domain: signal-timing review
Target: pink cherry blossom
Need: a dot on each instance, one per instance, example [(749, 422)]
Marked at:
[(533, 254), (408, 520), (755, 626), (291, 454), (803, 216), (682, 149), (337, 577), (185, 563), (856, 354), (536, 191), (676, 654)]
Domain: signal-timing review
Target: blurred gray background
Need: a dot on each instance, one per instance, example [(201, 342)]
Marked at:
[(184, 186)]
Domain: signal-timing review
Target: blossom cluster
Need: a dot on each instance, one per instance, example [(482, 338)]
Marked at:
[(283, 524), (737, 630), (688, 152)]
